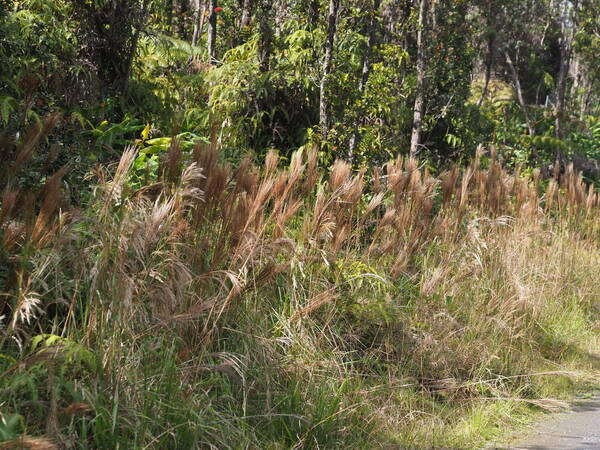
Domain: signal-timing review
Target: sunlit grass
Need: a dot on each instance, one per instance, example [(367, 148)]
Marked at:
[(292, 307)]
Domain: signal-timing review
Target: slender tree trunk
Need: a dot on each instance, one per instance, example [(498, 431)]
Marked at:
[(419, 108), (561, 88), (519, 91), (313, 14), (366, 70), (324, 119), (578, 78), (565, 62), (585, 100), (212, 32), (264, 45), (134, 44), (281, 14), (488, 71), (199, 13), (246, 14), (181, 10), (488, 67)]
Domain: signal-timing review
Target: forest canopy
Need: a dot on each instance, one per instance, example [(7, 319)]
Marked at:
[(364, 80)]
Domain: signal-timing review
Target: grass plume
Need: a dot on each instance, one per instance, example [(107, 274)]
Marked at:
[(289, 306)]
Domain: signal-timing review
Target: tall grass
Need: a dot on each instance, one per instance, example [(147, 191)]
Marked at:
[(285, 306)]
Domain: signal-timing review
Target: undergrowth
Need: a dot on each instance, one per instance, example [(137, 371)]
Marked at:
[(290, 306)]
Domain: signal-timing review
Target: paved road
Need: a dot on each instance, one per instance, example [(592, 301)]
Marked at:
[(576, 429)]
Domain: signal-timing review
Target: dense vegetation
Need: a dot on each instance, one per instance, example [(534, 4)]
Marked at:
[(295, 223)]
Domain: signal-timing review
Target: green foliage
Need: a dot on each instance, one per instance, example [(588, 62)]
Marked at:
[(39, 54), (181, 309), (235, 87), (11, 427), (71, 352), (107, 135), (587, 142), (147, 164)]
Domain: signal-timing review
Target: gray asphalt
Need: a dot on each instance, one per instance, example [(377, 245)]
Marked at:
[(578, 429)]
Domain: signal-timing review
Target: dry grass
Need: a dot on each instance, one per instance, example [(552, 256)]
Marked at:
[(445, 285), (28, 443)]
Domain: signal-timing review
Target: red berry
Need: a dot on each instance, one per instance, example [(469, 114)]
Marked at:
[(218, 9)]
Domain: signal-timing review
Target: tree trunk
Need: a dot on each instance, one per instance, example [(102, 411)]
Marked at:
[(491, 39), (366, 69), (313, 14), (565, 62), (181, 10), (519, 91), (324, 119), (561, 88), (281, 15), (212, 32), (142, 17), (419, 108), (586, 100), (488, 70), (264, 44), (199, 12), (246, 14)]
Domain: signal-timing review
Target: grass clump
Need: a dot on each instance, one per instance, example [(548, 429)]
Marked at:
[(292, 307)]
